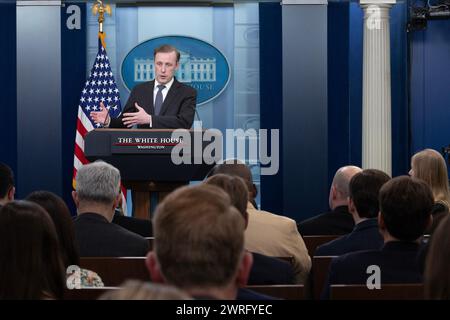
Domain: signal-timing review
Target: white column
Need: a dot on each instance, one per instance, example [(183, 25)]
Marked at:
[(376, 142)]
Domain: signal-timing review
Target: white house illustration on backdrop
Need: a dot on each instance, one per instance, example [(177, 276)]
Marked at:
[(190, 69)]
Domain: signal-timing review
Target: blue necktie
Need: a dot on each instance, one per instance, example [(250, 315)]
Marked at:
[(159, 99)]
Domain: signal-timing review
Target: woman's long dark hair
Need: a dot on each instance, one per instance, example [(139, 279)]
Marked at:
[(60, 214), (30, 265)]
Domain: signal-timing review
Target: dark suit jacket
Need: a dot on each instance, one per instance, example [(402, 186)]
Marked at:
[(397, 261), (177, 111), (96, 237), (268, 270), (365, 236), (336, 222), (142, 227)]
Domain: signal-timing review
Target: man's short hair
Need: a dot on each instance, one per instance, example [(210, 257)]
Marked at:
[(364, 189), (199, 237), (405, 205), (6, 180), (98, 182), (236, 189), (166, 48)]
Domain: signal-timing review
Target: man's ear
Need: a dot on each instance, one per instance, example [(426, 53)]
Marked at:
[(117, 201), (254, 190), (153, 268), (381, 224), (244, 269), (333, 192), (11, 194), (351, 205), (75, 198)]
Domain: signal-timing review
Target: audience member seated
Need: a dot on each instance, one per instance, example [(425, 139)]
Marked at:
[(139, 290), (429, 165), (65, 230), (96, 197), (142, 227), (338, 221), (405, 206), (267, 233), (437, 269), (265, 270), (199, 243), (31, 265), (7, 189), (363, 205)]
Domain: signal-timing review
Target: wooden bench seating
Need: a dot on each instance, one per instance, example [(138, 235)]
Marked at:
[(412, 291), (115, 270), (312, 242), (286, 292), (318, 275)]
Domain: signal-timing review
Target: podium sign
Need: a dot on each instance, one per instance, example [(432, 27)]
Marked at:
[(143, 154), (138, 142)]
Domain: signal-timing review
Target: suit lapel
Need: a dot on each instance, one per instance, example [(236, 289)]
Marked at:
[(151, 107), (170, 96)]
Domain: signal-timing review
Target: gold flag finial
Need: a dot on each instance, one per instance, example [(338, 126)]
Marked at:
[(100, 8)]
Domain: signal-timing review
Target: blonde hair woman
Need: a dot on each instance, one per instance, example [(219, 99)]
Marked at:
[(429, 165)]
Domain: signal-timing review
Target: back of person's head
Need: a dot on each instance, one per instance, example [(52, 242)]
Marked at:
[(199, 239), (437, 275), (6, 182), (405, 206), (429, 165), (98, 182), (342, 179), (30, 264), (139, 290), (235, 167), (60, 214), (235, 187), (364, 189)]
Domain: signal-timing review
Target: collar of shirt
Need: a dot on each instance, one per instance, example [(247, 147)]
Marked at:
[(164, 91)]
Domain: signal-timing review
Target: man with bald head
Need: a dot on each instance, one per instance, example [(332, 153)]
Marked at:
[(338, 221)]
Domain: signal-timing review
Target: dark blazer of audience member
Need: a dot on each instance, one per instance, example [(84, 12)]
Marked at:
[(363, 205), (199, 243), (265, 270), (437, 267), (96, 197), (429, 166), (337, 221), (31, 265), (60, 215), (405, 206), (7, 189)]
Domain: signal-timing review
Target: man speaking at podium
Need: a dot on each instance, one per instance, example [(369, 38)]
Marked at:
[(163, 103)]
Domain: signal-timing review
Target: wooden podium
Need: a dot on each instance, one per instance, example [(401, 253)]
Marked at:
[(143, 157)]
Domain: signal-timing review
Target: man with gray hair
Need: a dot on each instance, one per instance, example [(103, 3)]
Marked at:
[(96, 197), (338, 221)]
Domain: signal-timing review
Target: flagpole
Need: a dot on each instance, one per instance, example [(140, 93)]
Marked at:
[(100, 9)]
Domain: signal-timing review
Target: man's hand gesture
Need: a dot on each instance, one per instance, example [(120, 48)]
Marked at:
[(100, 116), (132, 118)]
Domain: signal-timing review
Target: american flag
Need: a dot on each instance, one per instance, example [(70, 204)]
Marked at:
[(100, 87)]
